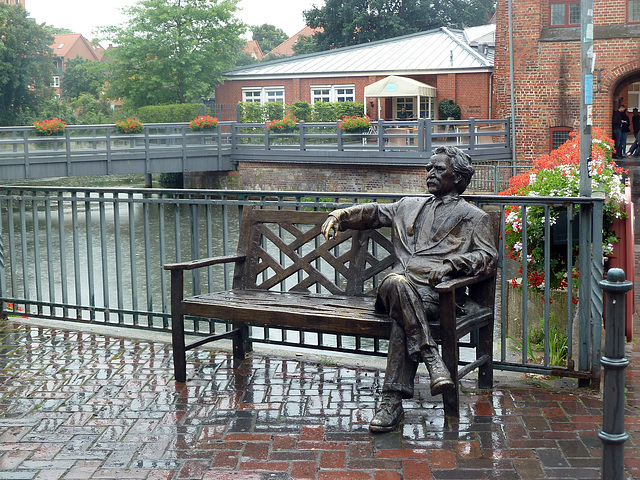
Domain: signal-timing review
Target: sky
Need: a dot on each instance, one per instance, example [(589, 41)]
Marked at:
[(84, 16)]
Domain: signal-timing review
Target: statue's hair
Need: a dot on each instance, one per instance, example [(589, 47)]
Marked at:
[(460, 165)]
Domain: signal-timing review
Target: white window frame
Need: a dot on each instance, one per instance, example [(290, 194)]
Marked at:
[(263, 95), (333, 93), (55, 82)]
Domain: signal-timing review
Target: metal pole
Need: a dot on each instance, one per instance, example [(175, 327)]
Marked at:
[(613, 362), (586, 101)]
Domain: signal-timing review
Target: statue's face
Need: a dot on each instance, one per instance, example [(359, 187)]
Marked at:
[(440, 177)]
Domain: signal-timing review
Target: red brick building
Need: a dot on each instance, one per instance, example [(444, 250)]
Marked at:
[(459, 64), (546, 66)]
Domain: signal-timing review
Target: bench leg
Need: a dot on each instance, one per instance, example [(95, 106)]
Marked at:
[(177, 327), (241, 342), (485, 347), (450, 353)]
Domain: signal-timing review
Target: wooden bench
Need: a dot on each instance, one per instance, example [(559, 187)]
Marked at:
[(286, 275)]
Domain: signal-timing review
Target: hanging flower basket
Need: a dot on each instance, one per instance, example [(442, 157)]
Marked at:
[(284, 125), (49, 127), (203, 122), (355, 124), (130, 125)]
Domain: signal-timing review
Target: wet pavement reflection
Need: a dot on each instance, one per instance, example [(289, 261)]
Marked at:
[(83, 405)]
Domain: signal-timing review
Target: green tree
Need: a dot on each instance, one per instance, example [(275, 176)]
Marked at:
[(172, 51), (351, 22), (26, 64), (82, 76), (268, 36)]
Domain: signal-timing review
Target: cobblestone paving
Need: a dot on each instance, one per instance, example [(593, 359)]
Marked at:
[(87, 406)]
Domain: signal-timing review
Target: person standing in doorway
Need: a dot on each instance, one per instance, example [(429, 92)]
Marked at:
[(620, 126), (635, 123)]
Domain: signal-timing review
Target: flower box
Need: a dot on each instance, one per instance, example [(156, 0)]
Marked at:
[(203, 122), (49, 127), (130, 125), (284, 125), (355, 124)]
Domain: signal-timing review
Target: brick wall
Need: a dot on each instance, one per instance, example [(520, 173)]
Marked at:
[(547, 73), (469, 90), (333, 178)]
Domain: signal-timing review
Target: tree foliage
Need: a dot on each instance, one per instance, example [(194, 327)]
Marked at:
[(351, 22), (82, 76), (173, 51), (268, 36), (26, 65)]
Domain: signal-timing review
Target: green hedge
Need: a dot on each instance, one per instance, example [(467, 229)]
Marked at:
[(252, 112), (183, 112), (448, 108)]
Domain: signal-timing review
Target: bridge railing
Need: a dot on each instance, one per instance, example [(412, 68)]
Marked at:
[(95, 256), (169, 148)]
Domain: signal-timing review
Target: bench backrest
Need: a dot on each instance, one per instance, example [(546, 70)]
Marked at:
[(286, 251)]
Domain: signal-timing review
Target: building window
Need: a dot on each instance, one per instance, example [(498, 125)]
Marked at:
[(273, 95), (564, 13), (333, 93), (559, 135), (56, 82), (251, 96), (634, 10), (263, 94)]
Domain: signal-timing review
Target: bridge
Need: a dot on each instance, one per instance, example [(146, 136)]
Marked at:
[(169, 148)]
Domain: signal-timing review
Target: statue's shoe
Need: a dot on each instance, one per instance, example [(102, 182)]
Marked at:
[(440, 376), (387, 416)]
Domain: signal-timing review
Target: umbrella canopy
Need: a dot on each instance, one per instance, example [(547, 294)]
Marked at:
[(394, 86)]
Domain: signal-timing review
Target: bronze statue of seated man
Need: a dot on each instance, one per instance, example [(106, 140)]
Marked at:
[(433, 237)]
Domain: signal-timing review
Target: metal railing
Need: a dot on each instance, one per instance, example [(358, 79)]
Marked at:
[(96, 256), (170, 148)]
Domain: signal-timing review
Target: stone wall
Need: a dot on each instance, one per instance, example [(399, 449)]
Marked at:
[(315, 178)]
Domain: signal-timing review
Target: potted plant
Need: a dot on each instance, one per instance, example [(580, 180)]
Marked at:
[(283, 125), (130, 125), (558, 175), (53, 126), (355, 124), (203, 122)]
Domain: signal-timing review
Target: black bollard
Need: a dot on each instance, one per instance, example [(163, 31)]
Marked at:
[(614, 362)]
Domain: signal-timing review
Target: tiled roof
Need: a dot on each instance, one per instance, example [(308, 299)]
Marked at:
[(435, 51), (64, 42), (285, 49)]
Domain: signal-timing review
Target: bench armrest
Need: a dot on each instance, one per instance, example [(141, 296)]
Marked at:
[(455, 283), (204, 262)]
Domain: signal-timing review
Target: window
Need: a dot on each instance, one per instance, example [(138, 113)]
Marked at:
[(333, 93), (263, 94), (275, 95), (564, 13), (634, 10), (251, 96), (559, 135), (55, 82)]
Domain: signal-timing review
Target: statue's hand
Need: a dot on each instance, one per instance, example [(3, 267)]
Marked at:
[(330, 227), (434, 277)]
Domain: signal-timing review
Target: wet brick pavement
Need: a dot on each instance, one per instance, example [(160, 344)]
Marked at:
[(87, 406), (78, 405)]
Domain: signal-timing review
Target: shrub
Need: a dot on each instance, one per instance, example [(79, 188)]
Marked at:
[(273, 110), (175, 113), (53, 126), (448, 108), (202, 122), (558, 175), (130, 125), (301, 111), (251, 112)]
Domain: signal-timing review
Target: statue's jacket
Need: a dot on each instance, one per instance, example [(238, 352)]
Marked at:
[(458, 232)]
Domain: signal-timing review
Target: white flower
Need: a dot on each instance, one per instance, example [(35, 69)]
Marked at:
[(607, 249), (517, 246)]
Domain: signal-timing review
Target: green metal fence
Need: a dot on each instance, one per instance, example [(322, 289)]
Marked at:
[(95, 255)]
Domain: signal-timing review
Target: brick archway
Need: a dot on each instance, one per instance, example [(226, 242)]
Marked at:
[(620, 75)]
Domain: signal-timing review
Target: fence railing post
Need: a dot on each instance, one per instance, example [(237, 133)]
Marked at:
[(614, 362)]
